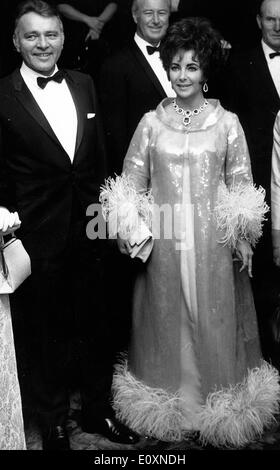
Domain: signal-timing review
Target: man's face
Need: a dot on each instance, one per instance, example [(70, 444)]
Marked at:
[(269, 23), (39, 40), (152, 17)]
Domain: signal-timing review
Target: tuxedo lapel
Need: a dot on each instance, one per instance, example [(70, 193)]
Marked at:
[(141, 60), (261, 70), (81, 104), (25, 97)]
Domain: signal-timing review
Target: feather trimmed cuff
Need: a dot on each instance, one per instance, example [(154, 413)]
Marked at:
[(240, 213), (123, 207)]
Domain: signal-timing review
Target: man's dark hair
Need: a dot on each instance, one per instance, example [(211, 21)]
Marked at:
[(36, 6), (197, 34)]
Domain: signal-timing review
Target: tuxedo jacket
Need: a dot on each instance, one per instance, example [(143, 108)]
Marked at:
[(37, 178), (128, 89), (251, 94)]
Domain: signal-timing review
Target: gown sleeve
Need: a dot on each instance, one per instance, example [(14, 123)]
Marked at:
[(126, 200), (241, 208), (137, 161), (237, 165), (275, 176)]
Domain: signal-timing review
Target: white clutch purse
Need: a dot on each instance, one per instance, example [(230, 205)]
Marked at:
[(15, 265), (142, 242)]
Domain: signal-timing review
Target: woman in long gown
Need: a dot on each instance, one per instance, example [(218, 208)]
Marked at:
[(194, 362), (11, 421)]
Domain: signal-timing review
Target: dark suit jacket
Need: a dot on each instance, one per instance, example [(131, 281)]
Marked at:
[(251, 93), (37, 177), (128, 89)]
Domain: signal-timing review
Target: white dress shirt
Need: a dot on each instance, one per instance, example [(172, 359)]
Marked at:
[(156, 64), (57, 104), (273, 65)]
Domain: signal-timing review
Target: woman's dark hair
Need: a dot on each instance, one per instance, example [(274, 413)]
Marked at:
[(197, 34), (40, 7)]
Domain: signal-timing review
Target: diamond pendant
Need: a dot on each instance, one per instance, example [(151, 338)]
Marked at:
[(186, 120)]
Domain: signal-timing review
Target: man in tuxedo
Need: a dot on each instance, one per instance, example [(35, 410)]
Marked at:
[(133, 81), (253, 92), (52, 164)]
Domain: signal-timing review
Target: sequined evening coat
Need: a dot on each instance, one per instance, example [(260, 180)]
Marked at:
[(194, 322)]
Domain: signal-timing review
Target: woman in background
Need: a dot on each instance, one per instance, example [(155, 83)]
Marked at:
[(90, 31), (11, 421)]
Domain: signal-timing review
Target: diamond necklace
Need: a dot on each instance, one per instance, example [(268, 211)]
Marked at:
[(187, 114)]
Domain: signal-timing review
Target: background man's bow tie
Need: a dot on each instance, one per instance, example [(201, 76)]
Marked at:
[(57, 77), (274, 54), (152, 49)]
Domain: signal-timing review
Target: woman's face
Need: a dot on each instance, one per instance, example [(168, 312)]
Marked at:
[(186, 76)]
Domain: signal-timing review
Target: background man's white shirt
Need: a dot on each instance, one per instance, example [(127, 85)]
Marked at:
[(156, 64), (273, 65)]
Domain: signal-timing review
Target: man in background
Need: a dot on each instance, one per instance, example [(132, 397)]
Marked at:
[(253, 92), (133, 81)]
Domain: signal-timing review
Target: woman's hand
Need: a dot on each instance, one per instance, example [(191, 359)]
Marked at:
[(93, 22), (92, 35), (244, 253), (9, 221), (276, 256), (124, 245)]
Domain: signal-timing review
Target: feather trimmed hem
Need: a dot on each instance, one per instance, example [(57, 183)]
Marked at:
[(240, 213), (123, 207), (237, 415), (231, 417), (148, 411)]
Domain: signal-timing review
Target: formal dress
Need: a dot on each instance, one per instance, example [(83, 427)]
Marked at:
[(11, 422), (195, 332), (275, 176)]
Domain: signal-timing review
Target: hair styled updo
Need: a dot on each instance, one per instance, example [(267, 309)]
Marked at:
[(195, 34)]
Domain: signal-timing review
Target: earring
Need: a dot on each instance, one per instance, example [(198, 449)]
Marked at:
[(205, 87)]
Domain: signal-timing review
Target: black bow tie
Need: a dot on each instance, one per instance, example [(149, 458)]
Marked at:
[(274, 54), (152, 49), (57, 77)]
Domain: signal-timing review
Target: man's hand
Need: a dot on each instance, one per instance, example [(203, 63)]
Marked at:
[(9, 221), (245, 254)]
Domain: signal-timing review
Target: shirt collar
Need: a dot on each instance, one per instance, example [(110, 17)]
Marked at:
[(267, 50), (142, 44), (30, 75)]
